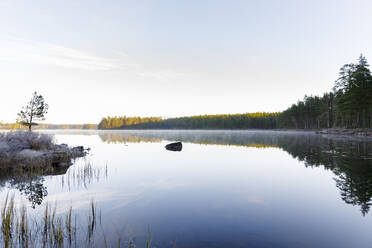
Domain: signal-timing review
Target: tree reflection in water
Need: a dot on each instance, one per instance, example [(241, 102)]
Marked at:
[(31, 183), (350, 159), (32, 188)]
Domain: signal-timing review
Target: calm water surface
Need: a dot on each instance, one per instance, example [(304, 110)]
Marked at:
[(224, 189)]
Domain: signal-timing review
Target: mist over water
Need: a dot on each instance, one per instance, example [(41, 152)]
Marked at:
[(224, 189)]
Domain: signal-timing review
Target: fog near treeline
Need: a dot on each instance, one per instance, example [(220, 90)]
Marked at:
[(347, 157)]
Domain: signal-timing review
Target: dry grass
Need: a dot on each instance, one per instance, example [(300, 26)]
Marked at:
[(25, 150)]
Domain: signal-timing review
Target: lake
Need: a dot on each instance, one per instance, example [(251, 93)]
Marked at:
[(224, 189)]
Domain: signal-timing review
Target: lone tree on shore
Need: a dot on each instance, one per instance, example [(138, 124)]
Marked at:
[(35, 110)]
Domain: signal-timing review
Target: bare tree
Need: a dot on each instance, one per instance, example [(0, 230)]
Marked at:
[(35, 110)]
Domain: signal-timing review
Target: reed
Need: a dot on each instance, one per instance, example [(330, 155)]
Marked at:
[(23, 227), (7, 221), (68, 224), (148, 240), (81, 176), (54, 231), (91, 220)]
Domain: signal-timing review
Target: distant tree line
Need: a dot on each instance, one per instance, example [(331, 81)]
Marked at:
[(124, 121), (67, 126), (348, 106), (260, 120), (18, 125)]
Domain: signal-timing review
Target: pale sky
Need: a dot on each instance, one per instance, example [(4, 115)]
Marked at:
[(168, 58)]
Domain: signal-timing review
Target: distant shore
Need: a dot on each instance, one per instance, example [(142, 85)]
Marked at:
[(357, 132)]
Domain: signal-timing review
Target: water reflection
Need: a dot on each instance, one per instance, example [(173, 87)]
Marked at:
[(114, 138), (81, 176), (248, 139), (349, 159), (237, 189), (31, 183)]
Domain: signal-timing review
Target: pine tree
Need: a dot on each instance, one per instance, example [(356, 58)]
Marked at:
[(36, 109)]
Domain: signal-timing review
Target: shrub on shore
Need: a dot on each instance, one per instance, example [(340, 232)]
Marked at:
[(29, 150)]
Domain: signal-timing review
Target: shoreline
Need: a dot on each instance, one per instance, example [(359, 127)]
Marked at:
[(355, 132), (29, 151)]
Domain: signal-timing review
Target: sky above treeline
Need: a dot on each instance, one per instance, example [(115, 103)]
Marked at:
[(170, 58)]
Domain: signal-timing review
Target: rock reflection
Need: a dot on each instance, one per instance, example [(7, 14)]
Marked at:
[(251, 139)]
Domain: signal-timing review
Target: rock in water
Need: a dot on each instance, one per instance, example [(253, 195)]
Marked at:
[(177, 146)]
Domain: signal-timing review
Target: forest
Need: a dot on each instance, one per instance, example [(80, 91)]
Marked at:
[(229, 121), (348, 105)]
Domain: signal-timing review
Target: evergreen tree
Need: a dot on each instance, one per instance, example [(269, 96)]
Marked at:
[(33, 111), (353, 91)]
